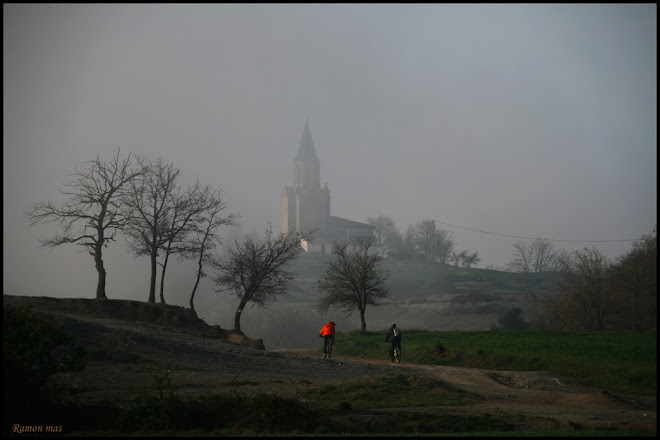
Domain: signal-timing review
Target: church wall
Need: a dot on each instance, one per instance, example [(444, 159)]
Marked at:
[(313, 212), (288, 211)]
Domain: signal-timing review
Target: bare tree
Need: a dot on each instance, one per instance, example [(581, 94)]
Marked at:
[(597, 295), (425, 239), (585, 301), (387, 234), (537, 256), (353, 280), (187, 209), (394, 243), (444, 245), (634, 281), (204, 240), (382, 223), (435, 244), (150, 200), (256, 271), (94, 212), (471, 259), (522, 261), (464, 258), (409, 247), (178, 216), (456, 257)]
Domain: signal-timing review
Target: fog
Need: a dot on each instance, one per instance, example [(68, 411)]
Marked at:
[(500, 122)]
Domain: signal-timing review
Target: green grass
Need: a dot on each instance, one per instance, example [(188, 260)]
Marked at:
[(616, 361), (385, 391)]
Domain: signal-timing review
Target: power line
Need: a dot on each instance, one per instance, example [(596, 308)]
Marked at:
[(536, 238)]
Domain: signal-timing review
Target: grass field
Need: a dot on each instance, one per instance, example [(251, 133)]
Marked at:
[(617, 361)]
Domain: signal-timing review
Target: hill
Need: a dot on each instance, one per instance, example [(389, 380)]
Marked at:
[(409, 278), (425, 296), (168, 316)]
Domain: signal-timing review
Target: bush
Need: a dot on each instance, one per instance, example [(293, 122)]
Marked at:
[(512, 320), (167, 412), (34, 350)]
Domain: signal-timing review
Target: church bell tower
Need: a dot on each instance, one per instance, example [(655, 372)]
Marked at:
[(305, 205)]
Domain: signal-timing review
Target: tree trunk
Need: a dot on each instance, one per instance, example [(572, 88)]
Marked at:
[(100, 287), (152, 282), (363, 323), (192, 306), (237, 316), (162, 278), (192, 295), (199, 275)]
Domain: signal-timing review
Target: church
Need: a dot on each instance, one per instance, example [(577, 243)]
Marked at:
[(306, 205)]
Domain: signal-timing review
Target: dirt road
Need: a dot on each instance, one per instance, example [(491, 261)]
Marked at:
[(129, 354), (545, 400), (125, 355)]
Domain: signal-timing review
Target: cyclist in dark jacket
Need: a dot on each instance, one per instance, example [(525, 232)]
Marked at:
[(394, 336)]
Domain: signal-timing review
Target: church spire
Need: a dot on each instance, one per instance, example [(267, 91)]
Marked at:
[(306, 166), (306, 149)]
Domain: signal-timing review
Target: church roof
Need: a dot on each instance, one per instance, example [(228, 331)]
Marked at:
[(306, 150), (343, 223)]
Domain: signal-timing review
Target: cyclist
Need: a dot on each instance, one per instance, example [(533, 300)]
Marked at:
[(328, 335), (394, 336)]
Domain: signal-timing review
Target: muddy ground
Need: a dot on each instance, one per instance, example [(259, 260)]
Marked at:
[(133, 342)]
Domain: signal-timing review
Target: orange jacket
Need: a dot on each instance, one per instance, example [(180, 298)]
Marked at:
[(328, 329)]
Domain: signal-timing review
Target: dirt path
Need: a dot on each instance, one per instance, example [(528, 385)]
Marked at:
[(126, 355), (198, 366), (531, 399)]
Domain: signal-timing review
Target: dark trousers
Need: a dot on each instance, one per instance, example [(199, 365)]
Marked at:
[(396, 344), (328, 342)]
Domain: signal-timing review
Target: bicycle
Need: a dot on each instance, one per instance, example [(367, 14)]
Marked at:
[(397, 355), (327, 348)]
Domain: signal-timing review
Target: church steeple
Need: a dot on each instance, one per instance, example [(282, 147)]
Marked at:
[(306, 149), (305, 205), (306, 167)]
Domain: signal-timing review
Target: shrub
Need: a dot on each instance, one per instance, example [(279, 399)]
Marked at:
[(512, 319), (34, 350), (167, 412)]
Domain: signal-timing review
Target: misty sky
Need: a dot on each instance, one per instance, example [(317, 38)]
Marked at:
[(516, 120)]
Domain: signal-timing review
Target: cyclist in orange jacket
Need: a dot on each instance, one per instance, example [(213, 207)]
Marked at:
[(328, 335)]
